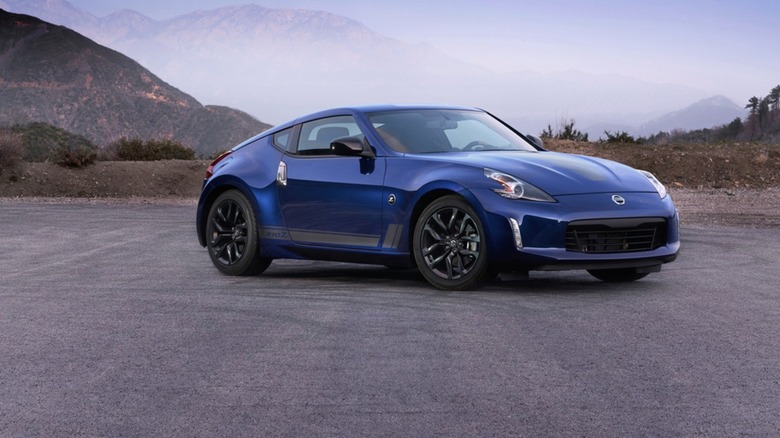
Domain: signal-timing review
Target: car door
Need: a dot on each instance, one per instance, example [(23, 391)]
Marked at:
[(328, 199)]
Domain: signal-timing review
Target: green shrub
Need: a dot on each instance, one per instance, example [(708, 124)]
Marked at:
[(151, 150), (565, 131), (44, 142), (621, 137), (75, 155), (10, 149)]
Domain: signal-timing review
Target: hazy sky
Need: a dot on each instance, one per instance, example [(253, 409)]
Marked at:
[(722, 46)]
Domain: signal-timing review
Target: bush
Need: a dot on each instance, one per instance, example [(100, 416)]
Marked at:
[(152, 150), (620, 137), (565, 131), (10, 149), (75, 155), (44, 142)]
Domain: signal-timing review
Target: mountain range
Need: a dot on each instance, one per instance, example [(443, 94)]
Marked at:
[(278, 63), (51, 74), (706, 113)]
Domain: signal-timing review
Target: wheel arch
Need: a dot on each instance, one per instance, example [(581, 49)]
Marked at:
[(210, 194), (430, 196), (465, 266)]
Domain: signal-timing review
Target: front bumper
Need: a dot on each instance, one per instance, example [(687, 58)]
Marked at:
[(541, 243)]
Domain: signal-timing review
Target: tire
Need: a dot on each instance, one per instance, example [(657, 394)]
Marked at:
[(617, 275), (232, 237), (449, 245)]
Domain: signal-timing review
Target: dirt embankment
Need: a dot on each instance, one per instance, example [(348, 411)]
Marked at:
[(694, 166), (730, 184), (105, 179)]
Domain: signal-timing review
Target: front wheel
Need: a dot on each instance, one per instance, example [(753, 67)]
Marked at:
[(617, 275), (449, 246), (231, 236)]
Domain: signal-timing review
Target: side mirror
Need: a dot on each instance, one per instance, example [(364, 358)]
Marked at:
[(352, 146), (536, 141)]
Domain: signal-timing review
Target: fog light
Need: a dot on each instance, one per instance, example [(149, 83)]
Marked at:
[(516, 232)]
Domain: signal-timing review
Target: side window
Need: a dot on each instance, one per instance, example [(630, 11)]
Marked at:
[(316, 135), (283, 139)]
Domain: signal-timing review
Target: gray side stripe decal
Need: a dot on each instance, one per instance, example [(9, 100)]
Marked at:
[(393, 236), (334, 238)]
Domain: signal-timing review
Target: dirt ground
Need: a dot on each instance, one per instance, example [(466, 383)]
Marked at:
[(731, 184), (105, 179), (693, 166)]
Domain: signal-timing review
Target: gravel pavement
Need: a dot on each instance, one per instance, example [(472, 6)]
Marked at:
[(114, 323)]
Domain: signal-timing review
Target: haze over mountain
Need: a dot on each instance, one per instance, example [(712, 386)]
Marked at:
[(706, 113), (52, 74), (279, 63)]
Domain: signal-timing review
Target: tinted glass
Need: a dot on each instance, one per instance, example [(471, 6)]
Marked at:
[(282, 139), (316, 135), (430, 131)]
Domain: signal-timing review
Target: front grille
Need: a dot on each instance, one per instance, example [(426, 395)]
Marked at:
[(616, 235)]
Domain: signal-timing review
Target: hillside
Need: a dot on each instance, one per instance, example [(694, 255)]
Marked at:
[(703, 114), (52, 74), (714, 111)]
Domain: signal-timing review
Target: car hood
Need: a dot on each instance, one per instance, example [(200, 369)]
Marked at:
[(559, 173)]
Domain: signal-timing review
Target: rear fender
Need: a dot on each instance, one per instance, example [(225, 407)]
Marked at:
[(211, 192)]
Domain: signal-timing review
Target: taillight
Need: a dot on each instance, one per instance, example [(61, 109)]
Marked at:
[(210, 169)]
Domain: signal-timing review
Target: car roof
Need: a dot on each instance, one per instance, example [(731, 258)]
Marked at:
[(358, 109), (387, 107), (374, 108)]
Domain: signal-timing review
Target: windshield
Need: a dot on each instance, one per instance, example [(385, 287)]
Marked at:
[(428, 131)]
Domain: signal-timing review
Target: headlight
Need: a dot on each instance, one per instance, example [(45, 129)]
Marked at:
[(657, 184), (514, 188)]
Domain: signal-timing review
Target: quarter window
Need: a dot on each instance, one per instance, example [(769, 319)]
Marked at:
[(282, 139)]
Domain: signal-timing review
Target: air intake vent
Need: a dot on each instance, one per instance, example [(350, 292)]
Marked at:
[(616, 235)]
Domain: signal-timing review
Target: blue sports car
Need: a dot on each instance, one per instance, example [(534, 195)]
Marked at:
[(452, 191)]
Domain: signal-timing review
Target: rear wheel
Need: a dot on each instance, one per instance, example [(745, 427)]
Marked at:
[(449, 246), (617, 275), (231, 236)]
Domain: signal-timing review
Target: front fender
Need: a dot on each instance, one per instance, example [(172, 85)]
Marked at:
[(415, 184)]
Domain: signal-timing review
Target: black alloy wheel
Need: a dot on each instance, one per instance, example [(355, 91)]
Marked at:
[(449, 246), (231, 235)]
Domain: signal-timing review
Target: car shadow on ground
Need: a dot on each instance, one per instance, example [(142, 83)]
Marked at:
[(369, 277)]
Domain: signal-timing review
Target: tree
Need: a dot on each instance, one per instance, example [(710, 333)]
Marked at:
[(752, 124), (774, 104), (753, 103), (763, 113), (774, 98), (733, 129)]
